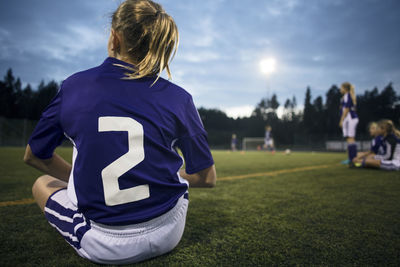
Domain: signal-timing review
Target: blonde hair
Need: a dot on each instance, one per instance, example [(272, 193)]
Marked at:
[(150, 37), (372, 124), (348, 87), (389, 127)]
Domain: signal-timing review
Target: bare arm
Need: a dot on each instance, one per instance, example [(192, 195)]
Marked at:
[(363, 155), (345, 112), (203, 178), (55, 166)]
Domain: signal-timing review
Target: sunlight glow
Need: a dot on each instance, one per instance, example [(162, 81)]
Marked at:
[(267, 65)]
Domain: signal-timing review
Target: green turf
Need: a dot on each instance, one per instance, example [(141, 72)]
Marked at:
[(332, 216)]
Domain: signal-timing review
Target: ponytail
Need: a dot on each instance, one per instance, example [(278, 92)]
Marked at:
[(389, 127), (348, 87), (396, 132), (150, 37), (353, 95)]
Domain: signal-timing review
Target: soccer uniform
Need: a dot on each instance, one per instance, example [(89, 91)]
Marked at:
[(233, 143), (349, 123), (268, 141), (377, 146), (390, 160), (351, 120), (124, 177)]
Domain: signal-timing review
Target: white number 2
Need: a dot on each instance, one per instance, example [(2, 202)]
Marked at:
[(113, 195)]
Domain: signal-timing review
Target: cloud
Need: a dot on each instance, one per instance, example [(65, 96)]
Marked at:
[(281, 7), (201, 33), (315, 43), (201, 56), (318, 58), (3, 34), (5, 44), (239, 111), (73, 42)]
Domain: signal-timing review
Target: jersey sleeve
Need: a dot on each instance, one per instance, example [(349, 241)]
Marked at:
[(375, 144), (373, 147), (193, 141), (48, 133), (348, 101)]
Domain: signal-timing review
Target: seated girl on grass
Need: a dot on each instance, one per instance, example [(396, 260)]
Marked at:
[(391, 143), (377, 147)]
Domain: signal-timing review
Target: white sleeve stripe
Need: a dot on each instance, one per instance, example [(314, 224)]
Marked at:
[(72, 237), (77, 215), (58, 215), (388, 151), (79, 225)]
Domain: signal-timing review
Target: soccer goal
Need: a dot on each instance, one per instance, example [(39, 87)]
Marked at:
[(252, 143)]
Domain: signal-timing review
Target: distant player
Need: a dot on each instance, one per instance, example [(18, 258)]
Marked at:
[(377, 147), (349, 119), (125, 198), (268, 139), (234, 142), (391, 141)]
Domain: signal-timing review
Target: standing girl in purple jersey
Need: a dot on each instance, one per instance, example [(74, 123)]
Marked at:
[(269, 140), (349, 119), (124, 198)]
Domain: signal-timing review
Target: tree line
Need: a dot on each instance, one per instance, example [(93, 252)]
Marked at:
[(24, 103), (315, 123)]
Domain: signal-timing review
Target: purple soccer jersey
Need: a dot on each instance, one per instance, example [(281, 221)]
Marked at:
[(347, 102), (125, 134), (377, 145)]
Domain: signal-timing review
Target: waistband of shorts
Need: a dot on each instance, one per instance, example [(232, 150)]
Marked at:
[(348, 117), (140, 228)]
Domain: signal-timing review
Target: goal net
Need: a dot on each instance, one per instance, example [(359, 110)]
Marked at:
[(252, 143)]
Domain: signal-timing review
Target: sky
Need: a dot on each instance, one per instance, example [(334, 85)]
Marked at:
[(315, 43)]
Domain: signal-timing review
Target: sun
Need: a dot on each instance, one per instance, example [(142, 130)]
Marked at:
[(267, 65)]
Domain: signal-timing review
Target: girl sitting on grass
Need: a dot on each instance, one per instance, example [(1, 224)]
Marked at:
[(391, 142), (376, 144), (125, 197)]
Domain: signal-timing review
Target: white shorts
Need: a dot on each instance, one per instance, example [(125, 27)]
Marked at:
[(349, 127), (390, 165), (269, 142), (116, 244)]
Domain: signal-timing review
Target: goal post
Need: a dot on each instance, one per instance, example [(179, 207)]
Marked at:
[(252, 143)]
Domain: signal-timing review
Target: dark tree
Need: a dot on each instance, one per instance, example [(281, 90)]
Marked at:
[(374, 106), (308, 113), (261, 110), (290, 106), (7, 97), (332, 115), (273, 103), (287, 104), (24, 103), (319, 116), (43, 97)]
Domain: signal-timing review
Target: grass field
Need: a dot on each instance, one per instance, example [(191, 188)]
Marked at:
[(301, 209)]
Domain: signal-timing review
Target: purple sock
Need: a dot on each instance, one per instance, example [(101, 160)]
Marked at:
[(352, 150)]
